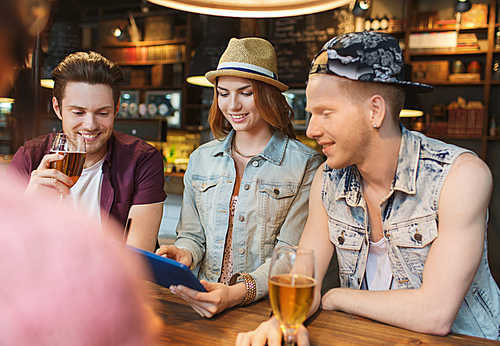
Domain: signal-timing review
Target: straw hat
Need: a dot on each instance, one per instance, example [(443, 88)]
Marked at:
[(252, 58)]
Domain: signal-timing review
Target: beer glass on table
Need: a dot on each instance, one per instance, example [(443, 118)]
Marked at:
[(72, 147), (292, 279)]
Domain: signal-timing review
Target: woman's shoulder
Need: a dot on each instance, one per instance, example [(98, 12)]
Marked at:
[(206, 149), (211, 145)]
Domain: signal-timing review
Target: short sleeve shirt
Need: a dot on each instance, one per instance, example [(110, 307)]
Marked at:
[(132, 172)]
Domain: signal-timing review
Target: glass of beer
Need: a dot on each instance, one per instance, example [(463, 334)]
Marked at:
[(292, 279), (72, 147)]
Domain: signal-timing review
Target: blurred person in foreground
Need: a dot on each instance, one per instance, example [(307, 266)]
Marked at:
[(122, 176), (406, 214), (247, 191), (64, 282)]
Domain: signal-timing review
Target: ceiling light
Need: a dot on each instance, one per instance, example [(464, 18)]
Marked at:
[(47, 83), (361, 8), (116, 32), (253, 8), (463, 5), (410, 113)]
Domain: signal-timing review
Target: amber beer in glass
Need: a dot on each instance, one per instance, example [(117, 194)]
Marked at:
[(72, 147), (292, 280), (71, 164)]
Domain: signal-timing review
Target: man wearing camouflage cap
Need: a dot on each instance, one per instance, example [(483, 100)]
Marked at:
[(406, 214)]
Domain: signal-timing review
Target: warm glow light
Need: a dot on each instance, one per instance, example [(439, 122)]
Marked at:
[(47, 83), (116, 32), (6, 100), (199, 80), (410, 113), (364, 5), (253, 8)]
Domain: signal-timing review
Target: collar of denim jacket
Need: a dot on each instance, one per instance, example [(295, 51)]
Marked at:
[(405, 179), (274, 151)]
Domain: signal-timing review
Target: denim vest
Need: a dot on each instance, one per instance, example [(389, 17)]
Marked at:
[(410, 225), (272, 205)]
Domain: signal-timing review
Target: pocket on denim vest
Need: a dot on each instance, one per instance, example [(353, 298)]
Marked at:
[(411, 241), (348, 241), (275, 200), (205, 195)]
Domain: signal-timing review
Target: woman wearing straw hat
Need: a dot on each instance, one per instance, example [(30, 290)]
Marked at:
[(247, 191)]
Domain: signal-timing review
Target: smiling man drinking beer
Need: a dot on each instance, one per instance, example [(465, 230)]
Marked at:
[(122, 175)]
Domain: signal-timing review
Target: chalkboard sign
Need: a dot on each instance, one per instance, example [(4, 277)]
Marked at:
[(64, 39), (217, 31), (298, 39)]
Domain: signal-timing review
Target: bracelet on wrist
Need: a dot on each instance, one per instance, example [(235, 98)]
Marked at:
[(250, 284)]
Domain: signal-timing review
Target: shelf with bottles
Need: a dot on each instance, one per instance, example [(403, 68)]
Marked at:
[(160, 108), (384, 24)]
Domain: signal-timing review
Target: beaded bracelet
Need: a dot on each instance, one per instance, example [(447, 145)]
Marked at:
[(250, 285)]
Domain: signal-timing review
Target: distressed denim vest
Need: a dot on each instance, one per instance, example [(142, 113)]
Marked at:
[(410, 225)]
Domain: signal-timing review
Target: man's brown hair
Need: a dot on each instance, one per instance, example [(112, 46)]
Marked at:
[(91, 68)]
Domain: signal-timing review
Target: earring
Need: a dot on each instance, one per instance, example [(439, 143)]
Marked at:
[(374, 126)]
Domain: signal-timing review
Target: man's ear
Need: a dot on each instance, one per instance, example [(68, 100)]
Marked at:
[(57, 109), (378, 108)]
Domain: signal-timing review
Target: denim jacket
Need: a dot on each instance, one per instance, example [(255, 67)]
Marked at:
[(410, 224), (272, 205)]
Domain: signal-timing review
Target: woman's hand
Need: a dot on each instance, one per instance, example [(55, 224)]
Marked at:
[(180, 255), (269, 333), (217, 298)]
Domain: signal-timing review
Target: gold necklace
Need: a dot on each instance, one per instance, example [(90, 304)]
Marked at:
[(237, 151)]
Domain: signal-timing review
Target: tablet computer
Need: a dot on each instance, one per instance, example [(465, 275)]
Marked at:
[(167, 272)]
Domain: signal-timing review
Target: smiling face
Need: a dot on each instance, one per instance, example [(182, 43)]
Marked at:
[(88, 109), (338, 124), (236, 101)]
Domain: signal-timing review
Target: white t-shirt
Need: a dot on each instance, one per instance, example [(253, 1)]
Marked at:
[(86, 193), (378, 274)]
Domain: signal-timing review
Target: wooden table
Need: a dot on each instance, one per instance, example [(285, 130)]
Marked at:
[(183, 326)]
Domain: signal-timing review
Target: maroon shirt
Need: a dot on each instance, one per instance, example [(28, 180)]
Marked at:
[(132, 172)]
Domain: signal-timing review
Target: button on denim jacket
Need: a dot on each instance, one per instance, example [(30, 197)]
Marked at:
[(271, 211), (410, 225)]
